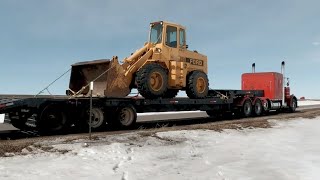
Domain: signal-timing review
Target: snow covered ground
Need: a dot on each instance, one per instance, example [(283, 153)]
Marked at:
[(289, 150), (308, 102), (1, 118)]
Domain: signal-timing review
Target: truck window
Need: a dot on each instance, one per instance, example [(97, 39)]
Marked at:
[(171, 39), (182, 40)]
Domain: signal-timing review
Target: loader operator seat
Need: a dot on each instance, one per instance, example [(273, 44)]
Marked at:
[(173, 44)]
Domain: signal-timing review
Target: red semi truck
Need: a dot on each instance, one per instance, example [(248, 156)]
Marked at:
[(260, 93)]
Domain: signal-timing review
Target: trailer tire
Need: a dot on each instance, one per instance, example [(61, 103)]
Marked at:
[(258, 108), (126, 116), (197, 85), (98, 120), (53, 120), (246, 108), (152, 81), (19, 123)]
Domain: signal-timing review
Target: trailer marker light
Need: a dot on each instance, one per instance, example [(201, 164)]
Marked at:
[(174, 102)]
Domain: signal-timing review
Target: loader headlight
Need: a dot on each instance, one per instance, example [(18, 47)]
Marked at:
[(158, 50)]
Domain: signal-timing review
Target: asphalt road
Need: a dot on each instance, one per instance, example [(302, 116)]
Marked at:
[(161, 116)]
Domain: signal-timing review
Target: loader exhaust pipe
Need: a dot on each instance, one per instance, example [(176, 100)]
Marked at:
[(253, 67)]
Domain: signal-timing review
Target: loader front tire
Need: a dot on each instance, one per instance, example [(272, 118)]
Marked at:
[(197, 85), (152, 81)]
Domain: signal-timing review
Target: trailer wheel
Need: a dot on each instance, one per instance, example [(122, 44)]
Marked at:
[(197, 85), (293, 104), (152, 81), (258, 108), (126, 116), (98, 121), (17, 121), (247, 108), (53, 119)]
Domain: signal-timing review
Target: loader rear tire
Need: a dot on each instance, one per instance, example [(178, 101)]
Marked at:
[(197, 85), (152, 81)]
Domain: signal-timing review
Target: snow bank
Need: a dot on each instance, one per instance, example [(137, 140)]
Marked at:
[(290, 150), (1, 118), (308, 102)]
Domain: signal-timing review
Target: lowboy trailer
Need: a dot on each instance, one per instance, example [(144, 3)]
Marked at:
[(260, 93)]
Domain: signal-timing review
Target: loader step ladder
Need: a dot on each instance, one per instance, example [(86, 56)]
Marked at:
[(177, 73)]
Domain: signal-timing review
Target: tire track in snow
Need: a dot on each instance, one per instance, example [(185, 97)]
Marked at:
[(127, 159)]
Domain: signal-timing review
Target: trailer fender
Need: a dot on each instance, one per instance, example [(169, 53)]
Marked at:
[(240, 101)]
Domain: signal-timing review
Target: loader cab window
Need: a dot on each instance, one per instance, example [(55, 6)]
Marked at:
[(182, 41), (156, 33), (171, 39)]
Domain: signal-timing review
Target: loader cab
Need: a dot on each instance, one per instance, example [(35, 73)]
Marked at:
[(168, 34)]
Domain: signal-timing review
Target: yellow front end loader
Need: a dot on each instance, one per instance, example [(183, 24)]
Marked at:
[(161, 68)]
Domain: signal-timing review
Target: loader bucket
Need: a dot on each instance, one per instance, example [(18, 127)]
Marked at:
[(108, 78)]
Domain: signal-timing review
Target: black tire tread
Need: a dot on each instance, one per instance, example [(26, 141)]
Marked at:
[(142, 80), (191, 90)]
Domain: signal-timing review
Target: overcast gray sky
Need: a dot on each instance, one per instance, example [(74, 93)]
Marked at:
[(40, 39)]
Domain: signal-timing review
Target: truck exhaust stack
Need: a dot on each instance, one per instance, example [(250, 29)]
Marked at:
[(253, 67)]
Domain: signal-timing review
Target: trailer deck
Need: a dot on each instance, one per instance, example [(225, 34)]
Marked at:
[(57, 113)]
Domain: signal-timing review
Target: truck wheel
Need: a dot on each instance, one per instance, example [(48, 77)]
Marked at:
[(171, 93), (258, 108), (53, 119), (197, 85), (126, 116), (293, 105), (246, 108), (152, 81)]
